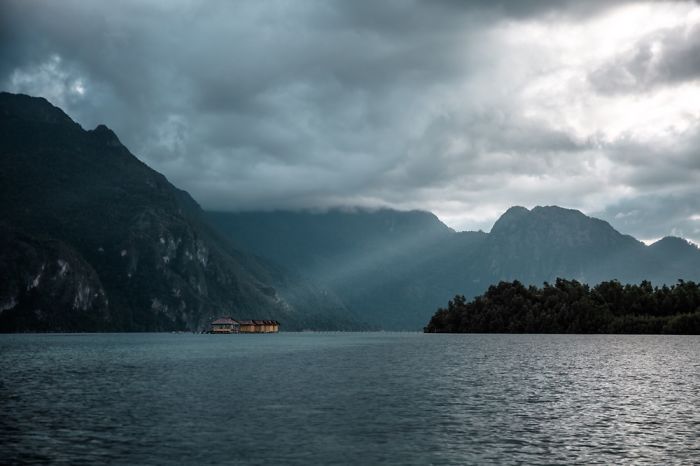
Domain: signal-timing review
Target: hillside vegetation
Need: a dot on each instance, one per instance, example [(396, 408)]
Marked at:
[(572, 307)]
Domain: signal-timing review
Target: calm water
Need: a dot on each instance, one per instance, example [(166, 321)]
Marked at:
[(349, 399)]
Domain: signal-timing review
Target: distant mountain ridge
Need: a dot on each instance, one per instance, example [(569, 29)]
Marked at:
[(395, 268), (93, 239)]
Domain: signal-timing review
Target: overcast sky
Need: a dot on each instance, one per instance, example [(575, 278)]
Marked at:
[(461, 108)]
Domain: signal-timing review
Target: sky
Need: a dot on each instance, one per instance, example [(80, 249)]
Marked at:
[(462, 108)]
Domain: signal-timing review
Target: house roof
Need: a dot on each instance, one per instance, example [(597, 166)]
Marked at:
[(224, 320), (228, 320)]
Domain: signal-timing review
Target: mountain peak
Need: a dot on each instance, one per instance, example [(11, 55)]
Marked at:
[(34, 109), (510, 219), (669, 244), (106, 135), (556, 210), (515, 210), (519, 217), (555, 226)]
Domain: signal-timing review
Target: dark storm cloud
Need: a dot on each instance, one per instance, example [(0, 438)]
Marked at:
[(653, 216), (676, 163), (461, 107), (667, 180)]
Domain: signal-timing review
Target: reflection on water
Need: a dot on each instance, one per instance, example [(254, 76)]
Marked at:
[(349, 399)]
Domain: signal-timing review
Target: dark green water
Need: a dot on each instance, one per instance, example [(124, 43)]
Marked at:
[(382, 398)]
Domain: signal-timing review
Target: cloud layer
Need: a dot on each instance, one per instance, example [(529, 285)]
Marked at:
[(461, 108)]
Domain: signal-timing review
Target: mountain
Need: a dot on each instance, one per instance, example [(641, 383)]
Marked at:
[(386, 265), (395, 268), (549, 242), (93, 239), (336, 243), (674, 257)]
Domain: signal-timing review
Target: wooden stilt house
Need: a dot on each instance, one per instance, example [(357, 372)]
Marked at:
[(225, 325)]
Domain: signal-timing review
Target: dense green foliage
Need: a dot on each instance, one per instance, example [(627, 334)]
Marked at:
[(572, 307)]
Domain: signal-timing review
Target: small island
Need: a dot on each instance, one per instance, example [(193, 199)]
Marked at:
[(569, 306)]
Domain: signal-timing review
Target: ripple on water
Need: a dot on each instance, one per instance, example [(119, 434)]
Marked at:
[(349, 399)]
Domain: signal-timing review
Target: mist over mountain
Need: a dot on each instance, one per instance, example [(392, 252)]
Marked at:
[(395, 268), (93, 239)]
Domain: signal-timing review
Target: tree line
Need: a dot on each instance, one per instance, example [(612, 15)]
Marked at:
[(568, 306)]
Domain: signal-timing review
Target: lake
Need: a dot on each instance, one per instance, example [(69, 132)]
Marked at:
[(349, 398)]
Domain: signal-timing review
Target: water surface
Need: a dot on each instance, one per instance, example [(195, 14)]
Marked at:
[(335, 398)]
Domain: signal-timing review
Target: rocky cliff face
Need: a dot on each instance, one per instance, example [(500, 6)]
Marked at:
[(37, 274), (158, 263)]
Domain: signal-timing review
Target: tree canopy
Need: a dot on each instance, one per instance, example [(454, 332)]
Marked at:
[(568, 306)]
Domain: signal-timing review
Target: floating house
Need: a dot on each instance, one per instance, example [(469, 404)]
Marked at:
[(247, 326), (229, 325), (272, 326), (225, 325)]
